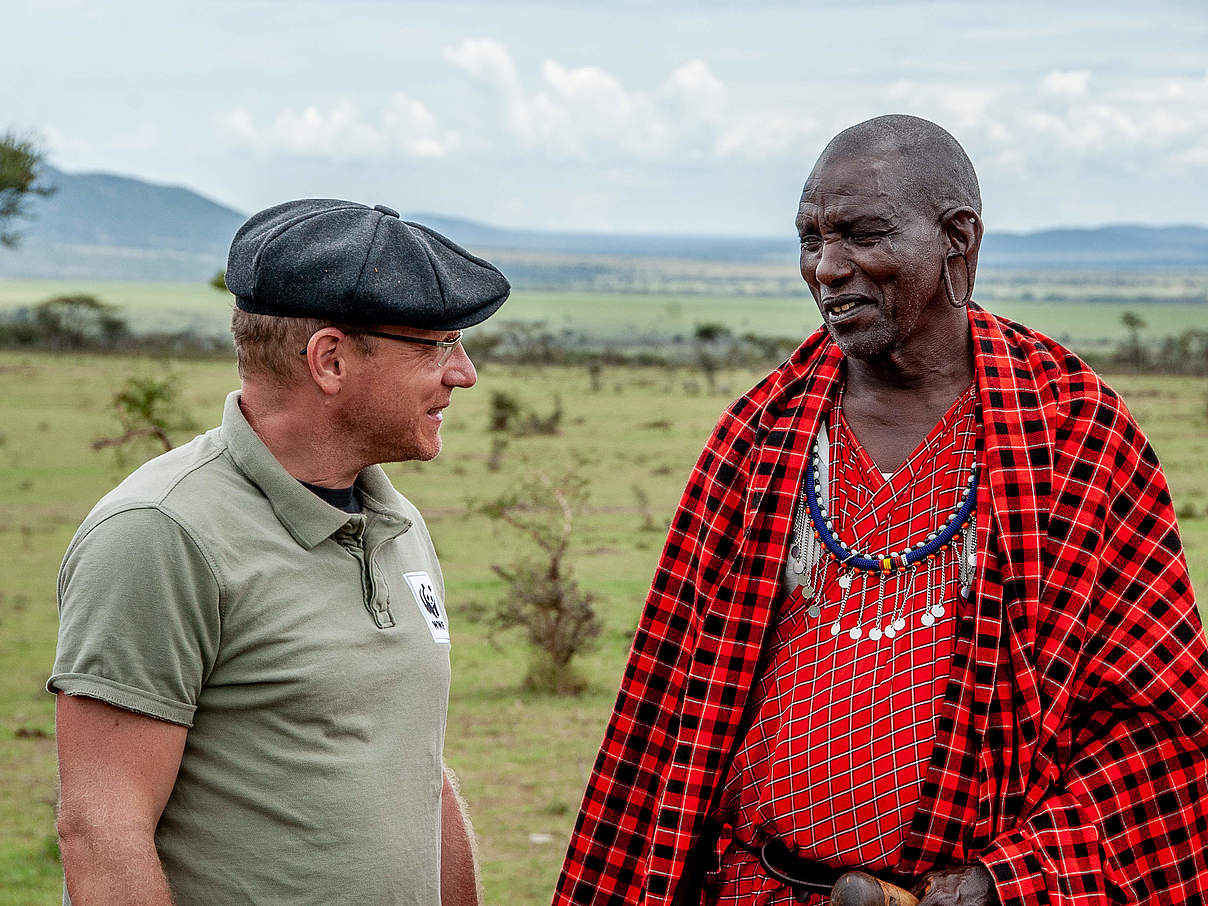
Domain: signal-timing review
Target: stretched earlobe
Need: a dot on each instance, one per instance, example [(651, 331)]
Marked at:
[(968, 296)]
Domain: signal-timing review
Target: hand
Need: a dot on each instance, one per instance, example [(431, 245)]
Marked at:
[(958, 885), (859, 889)]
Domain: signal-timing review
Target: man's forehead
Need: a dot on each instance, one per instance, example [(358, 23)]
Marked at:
[(872, 203), (868, 183), (865, 175)]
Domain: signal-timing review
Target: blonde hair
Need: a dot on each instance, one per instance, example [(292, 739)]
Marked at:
[(267, 346)]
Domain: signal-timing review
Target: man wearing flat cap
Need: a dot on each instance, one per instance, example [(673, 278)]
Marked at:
[(923, 610), (253, 660)]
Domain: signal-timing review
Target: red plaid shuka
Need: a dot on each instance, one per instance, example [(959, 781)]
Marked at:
[(841, 730), (1072, 749)]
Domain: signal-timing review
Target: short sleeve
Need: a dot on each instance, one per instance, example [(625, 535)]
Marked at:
[(139, 617)]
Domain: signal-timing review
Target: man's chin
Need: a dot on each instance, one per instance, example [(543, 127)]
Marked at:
[(863, 345), (431, 449)]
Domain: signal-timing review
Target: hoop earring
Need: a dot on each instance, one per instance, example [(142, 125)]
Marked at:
[(952, 300)]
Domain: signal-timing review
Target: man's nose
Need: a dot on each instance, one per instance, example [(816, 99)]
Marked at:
[(833, 263), (459, 370)]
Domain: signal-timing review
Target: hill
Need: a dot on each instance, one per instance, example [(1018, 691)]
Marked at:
[(105, 226)]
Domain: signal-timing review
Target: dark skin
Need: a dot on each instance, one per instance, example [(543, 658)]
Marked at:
[(873, 250), (869, 243), (958, 885)]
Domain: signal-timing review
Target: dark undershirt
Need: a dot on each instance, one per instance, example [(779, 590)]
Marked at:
[(345, 499)]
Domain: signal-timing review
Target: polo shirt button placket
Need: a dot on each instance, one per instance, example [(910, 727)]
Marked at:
[(379, 590), (351, 537), (382, 617)]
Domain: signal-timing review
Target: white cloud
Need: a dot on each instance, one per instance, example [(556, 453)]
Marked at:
[(487, 60), (767, 135), (1154, 122), (1070, 83), (587, 108), (697, 92), (587, 112), (404, 125)]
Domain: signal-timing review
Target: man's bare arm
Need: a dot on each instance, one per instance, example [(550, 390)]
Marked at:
[(459, 884), (116, 771)]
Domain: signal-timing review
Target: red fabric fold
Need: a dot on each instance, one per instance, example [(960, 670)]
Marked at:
[(1071, 745)]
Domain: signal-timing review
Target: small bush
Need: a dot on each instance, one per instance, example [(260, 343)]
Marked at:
[(543, 599), (149, 411)]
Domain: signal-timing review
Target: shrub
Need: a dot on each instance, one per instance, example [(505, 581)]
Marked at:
[(543, 599), (149, 411)]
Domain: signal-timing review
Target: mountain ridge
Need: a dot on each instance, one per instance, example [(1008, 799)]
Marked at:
[(111, 226)]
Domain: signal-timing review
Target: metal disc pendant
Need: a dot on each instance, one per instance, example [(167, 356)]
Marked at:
[(928, 619), (937, 610), (899, 624), (875, 634), (835, 628), (854, 633), (815, 611), (890, 632), (845, 581)]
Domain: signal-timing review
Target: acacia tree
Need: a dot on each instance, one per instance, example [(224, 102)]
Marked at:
[(150, 411), (1134, 352), (543, 598), (20, 171)]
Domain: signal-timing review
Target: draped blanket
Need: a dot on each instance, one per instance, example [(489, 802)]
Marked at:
[(1072, 748)]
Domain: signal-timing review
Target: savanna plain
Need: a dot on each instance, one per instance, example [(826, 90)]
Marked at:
[(632, 432)]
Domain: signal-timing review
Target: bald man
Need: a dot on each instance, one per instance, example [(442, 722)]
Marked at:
[(923, 612)]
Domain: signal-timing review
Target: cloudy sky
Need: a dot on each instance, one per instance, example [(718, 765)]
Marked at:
[(679, 117)]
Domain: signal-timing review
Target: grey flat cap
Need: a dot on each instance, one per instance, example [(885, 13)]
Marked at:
[(345, 262)]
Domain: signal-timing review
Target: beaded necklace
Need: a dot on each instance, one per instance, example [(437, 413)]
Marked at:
[(819, 539)]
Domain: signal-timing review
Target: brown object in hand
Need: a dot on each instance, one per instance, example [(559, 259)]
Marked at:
[(859, 889)]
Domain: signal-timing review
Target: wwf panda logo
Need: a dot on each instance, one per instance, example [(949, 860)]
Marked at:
[(428, 598)]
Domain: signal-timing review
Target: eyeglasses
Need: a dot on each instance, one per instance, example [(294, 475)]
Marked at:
[(446, 347)]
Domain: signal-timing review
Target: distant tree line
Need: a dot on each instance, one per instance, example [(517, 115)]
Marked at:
[(1185, 353), (83, 323)]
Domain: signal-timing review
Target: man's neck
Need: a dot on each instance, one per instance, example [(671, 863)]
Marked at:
[(893, 402), (302, 441), (937, 360)]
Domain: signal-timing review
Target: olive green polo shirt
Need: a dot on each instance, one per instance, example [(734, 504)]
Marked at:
[(306, 649)]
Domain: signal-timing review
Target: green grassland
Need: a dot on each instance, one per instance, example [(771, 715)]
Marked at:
[(1082, 310), (523, 758)]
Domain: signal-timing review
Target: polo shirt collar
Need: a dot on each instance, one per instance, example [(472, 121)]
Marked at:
[(305, 516)]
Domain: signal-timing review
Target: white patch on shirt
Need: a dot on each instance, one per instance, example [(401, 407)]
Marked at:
[(429, 604)]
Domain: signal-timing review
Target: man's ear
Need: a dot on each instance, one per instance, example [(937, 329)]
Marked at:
[(963, 229), (326, 358)]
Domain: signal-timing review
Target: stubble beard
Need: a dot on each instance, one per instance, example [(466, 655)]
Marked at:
[(410, 442), (875, 342)]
